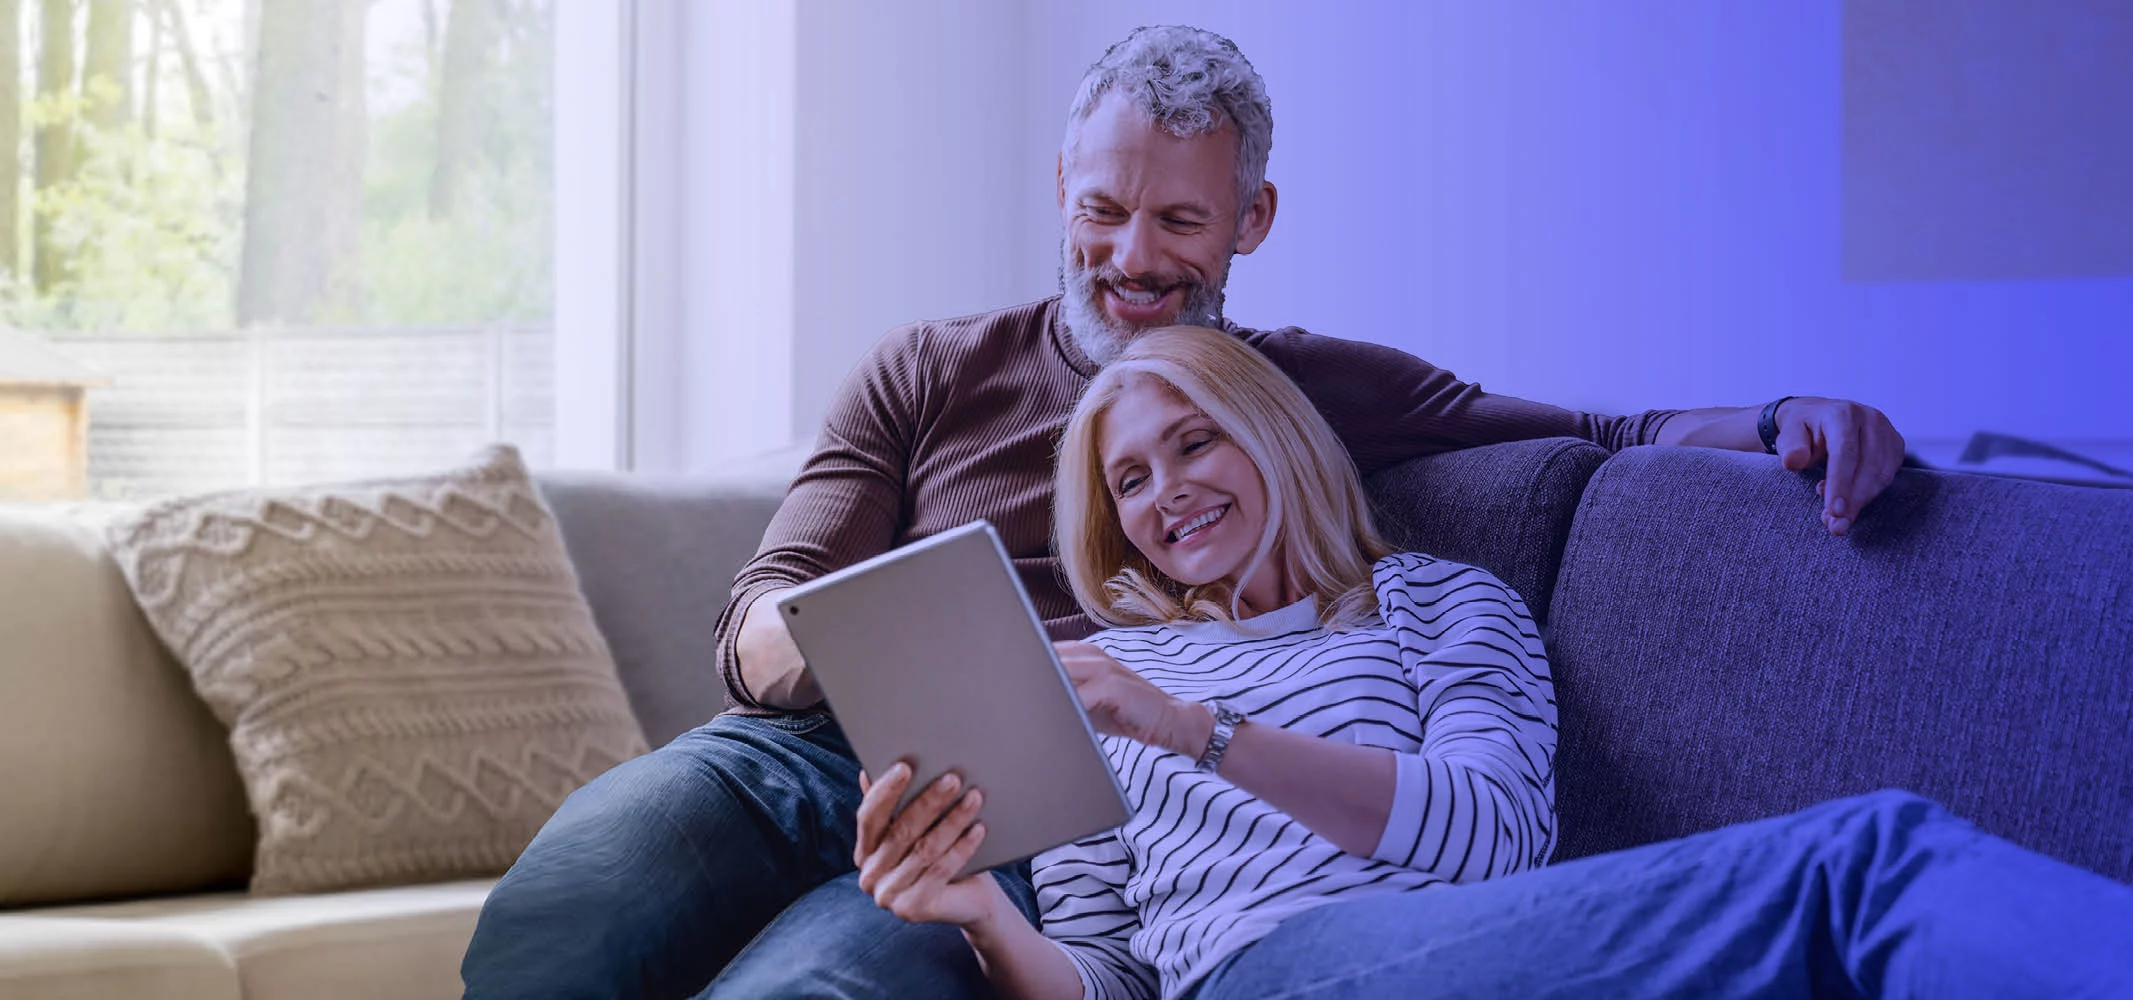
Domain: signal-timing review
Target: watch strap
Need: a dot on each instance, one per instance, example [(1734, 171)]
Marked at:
[(1227, 720), (1766, 427)]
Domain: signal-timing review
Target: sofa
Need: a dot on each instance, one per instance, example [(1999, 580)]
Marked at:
[(1718, 656)]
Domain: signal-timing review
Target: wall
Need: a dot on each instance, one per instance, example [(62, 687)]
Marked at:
[(804, 177), (907, 176), (1608, 210), (1604, 209)]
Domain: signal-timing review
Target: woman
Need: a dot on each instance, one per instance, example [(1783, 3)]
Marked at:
[(1312, 731)]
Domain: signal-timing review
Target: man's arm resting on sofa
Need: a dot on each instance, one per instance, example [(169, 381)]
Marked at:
[(770, 662), (1862, 449)]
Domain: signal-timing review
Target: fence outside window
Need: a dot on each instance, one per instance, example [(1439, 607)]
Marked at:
[(186, 412)]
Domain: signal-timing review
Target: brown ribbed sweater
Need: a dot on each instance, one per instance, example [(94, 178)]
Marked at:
[(946, 422)]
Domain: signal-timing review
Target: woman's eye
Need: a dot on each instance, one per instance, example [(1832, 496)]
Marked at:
[(1197, 445), (1129, 486)]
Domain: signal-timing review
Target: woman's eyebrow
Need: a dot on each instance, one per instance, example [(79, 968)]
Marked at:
[(1170, 430)]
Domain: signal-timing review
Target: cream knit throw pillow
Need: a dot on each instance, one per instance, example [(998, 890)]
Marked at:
[(411, 678)]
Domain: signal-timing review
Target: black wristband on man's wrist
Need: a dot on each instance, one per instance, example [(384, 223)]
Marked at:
[(1767, 427)]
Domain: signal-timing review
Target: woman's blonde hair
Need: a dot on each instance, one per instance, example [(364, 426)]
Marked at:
[(1317, 517)]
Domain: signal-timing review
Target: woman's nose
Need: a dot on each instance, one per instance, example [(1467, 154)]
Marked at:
[(1173, 490)]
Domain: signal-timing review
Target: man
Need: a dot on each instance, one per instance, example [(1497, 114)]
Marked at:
[(724, 860)]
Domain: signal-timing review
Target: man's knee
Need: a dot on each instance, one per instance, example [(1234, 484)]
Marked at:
[(595, 857), (657, 855)]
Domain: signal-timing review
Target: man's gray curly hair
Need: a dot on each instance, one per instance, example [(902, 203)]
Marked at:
[(1191, 82)]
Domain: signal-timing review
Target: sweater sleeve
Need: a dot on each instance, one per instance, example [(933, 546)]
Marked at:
[(1389, 406), (1081, 899), (845, 504), (1478, 799)]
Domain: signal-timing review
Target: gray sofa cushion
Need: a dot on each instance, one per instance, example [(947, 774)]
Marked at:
[(1720, 657), (1505, 508), (657, 560)]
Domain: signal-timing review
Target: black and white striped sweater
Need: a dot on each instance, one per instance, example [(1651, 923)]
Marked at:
[(1454, 682)]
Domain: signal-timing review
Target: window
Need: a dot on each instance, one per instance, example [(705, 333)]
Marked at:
[(248, 242)]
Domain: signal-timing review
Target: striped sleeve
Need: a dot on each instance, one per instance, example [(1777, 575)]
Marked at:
[(1478, 799), (1080, 896)]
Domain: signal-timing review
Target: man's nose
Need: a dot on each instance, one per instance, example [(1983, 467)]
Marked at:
[(1135, 251)]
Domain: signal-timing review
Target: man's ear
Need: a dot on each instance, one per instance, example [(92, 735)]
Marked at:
[(1258, 220)]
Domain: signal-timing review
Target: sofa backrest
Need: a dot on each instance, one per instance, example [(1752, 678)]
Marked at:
[(1505, 508), (656, 559), (1720, 657), (115, 780)]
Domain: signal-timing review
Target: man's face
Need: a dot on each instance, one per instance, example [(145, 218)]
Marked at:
[(1150, 225)]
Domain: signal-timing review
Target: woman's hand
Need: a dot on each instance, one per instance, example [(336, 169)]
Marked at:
[(1123, 703), (908, 861)]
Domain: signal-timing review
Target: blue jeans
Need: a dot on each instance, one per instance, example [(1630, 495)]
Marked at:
[(719, 865), (1884, 895)]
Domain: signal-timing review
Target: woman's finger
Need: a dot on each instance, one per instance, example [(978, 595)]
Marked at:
[(879, 864), (877, 807), (959, 853), (914, 867), (920, 814)]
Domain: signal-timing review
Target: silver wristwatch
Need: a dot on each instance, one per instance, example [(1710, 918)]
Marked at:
[(1227, 720)]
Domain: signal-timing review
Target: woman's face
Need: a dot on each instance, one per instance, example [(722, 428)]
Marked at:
[(1187, 496)]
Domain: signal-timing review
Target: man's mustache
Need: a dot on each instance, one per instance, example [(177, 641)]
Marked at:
[(1106, 274)]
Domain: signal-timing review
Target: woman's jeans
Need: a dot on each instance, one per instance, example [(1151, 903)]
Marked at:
[(726, 855), (1884, 895)]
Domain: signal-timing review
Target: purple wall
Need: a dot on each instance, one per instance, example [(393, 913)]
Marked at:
[(1622, 206)]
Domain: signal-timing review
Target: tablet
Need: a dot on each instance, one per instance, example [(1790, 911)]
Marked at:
[(932, 653)]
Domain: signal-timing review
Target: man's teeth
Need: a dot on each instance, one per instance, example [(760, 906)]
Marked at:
[(1134, 297), (1199, 522)]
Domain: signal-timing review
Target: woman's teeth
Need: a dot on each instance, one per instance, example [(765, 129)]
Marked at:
[(1199, 523)]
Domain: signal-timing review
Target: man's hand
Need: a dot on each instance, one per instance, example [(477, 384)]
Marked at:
[(908, 860), (771, 665), (1123, 703), (1861, 448)]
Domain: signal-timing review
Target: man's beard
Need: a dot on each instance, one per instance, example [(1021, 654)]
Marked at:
[(1100, 337)]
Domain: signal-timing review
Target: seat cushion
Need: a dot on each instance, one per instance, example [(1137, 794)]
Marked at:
[(47, 958), (412, 680), (101, 735), (404, 942)]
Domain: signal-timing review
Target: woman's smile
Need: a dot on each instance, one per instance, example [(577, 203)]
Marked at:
[(1193, 528)]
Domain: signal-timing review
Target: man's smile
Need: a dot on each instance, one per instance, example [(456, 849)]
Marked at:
[(1137, 306)]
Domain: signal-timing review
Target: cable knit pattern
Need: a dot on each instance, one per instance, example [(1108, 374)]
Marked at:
[(411, 677)]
